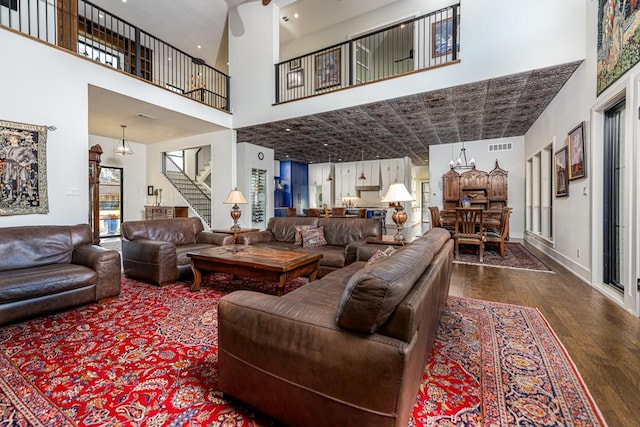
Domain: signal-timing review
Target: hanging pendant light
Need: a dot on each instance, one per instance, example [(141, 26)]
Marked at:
[(362, 175), (329, 177), (124, 148)]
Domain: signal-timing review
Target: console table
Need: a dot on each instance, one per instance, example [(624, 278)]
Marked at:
[(163, 212)]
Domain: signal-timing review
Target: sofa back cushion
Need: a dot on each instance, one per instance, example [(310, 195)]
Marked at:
[(342, 231), (31, 246), (179, 231), (284, 228), (372, 293)]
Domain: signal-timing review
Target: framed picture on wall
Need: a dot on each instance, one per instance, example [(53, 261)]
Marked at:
[(576, 152), (560, 173), (328, 69), (295, 79), (442, 37), (294, 64)]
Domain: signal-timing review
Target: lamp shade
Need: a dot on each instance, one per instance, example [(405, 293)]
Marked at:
[(235, 197), (397, 193)]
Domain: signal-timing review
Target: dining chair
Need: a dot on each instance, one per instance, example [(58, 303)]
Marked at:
[(436, 220), (362, 213), (502, 233), (469, 230), (312, 212), (337, 211)]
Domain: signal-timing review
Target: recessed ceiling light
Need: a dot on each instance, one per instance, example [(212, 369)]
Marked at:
[(124, 1), (287, 130), (295, 15), (326, 145), (168, 59), (199, 47), (287, 155), (101, 16)]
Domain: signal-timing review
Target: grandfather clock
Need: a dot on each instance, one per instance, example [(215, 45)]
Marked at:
[(94, 191)]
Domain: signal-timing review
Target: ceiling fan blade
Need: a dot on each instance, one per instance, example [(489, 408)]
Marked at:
[(235, 23)]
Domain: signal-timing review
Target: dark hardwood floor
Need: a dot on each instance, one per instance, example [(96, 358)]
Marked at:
[(602, 338)]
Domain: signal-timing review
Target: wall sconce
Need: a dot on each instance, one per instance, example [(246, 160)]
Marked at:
[(235, 197)]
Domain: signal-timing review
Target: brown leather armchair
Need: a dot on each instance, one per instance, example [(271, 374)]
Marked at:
[(155, 251)]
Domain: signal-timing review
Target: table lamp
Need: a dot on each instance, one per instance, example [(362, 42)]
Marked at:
[(235, 197), (397, 194)]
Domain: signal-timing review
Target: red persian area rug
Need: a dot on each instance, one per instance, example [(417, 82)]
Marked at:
[(516, 256), (149, 358)]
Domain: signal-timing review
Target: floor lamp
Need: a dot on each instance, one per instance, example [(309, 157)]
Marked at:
[(397, 194)]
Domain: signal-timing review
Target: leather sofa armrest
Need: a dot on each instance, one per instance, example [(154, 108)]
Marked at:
[(212, 238), (254, 237), (302, 344), (106, 264), (353, 249), (153, 261)]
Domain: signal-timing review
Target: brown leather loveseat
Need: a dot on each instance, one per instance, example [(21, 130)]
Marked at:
[(349, 349), (46, 268), (343, 237), (155, 251)]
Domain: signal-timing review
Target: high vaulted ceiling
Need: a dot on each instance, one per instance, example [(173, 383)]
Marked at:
[(495, 108)]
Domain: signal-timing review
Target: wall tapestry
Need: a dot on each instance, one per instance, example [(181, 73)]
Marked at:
[(23, 169), (618, 39)]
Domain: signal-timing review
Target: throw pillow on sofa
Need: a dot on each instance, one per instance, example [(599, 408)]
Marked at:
[(298, 233), (313, 237), (380, 254)]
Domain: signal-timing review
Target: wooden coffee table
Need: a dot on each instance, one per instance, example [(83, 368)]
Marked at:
[(251, 261)]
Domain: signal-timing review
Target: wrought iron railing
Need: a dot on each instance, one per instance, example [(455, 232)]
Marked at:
[(416, 44), (90, 31)]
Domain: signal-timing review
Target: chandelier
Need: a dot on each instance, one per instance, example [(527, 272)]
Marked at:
[(461, 161), (362, 175), (125, 147)]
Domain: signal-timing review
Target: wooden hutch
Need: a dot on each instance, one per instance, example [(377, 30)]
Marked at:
[(486, 190)]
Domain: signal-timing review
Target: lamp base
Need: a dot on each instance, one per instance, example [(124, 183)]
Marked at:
[(399, 217), (235, 214)]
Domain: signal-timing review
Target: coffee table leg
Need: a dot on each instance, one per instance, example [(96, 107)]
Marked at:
[(313, 275), (280, 285), (197, 278)]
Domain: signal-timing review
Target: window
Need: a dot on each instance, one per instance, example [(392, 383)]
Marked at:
[(100, 53), (539, 193)]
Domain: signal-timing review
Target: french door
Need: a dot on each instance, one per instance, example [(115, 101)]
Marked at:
[(614, 232), (110, 201)]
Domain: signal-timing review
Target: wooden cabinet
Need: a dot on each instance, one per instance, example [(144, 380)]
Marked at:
[(163, 212), (95, 153), (486, 190)]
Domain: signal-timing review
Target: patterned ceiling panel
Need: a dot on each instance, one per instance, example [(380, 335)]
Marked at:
[(495, 108)]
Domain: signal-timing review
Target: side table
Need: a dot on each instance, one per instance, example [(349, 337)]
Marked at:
[(235, 232)]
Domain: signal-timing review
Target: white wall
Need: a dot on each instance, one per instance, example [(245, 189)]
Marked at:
[(62, 101), (578, 217), (512, 161), (485, 52)]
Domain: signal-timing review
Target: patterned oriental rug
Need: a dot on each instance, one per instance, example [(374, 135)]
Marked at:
[(517, 257), (149, 358)]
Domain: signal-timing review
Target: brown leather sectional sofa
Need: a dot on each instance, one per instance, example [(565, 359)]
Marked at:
[(348, 349), (344, 236), (155, 251), (52, 267)]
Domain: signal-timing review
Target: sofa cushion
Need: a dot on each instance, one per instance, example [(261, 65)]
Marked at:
[(298, 233), (373, 292), (179, 231), (332, 256), (342, 231), (284, 228), (27, 283), (313, 237), (31, 246)]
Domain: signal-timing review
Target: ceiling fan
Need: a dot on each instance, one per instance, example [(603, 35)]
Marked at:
[(235, 21)]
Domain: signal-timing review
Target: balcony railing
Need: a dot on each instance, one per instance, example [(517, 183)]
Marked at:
[(90, 31), (417, 44)]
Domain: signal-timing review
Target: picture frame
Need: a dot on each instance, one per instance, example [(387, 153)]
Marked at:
[(442, 37), (560, 173), (149, 190), (294, 64), (575, 144), (295, 79), (23, 169), (328, 71)]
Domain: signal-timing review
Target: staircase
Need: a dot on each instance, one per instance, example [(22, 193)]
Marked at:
[(196, 192)]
